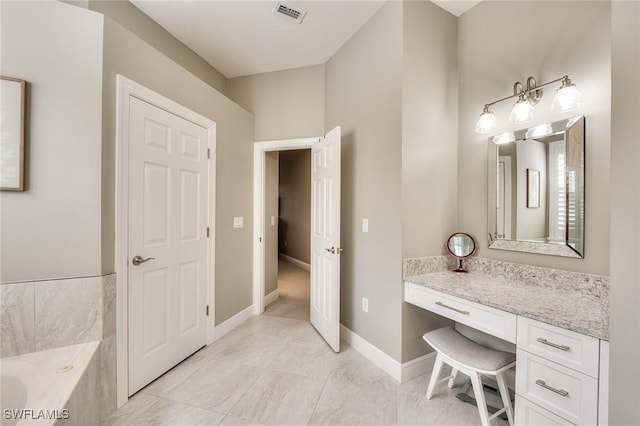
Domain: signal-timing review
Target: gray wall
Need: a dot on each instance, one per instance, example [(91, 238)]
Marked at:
[(363, 82), (234, 162), (133, 19), (498, 47), (624, 398), (271, 173), (64, 225), (295, 204), (429, 148), (286, 104), (52, 229)]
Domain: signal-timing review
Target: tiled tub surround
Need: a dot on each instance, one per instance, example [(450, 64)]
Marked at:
[(41, 315), (36, 317), (574, 301), (44, 381)]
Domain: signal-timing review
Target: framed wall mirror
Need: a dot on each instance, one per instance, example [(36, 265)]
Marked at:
[(536, 189)]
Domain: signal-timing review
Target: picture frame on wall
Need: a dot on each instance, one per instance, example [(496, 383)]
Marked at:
[(12, 116), (533, 188)]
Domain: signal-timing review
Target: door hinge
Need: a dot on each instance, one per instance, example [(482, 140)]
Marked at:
[(208, 232), (207, 310), (208, 153), (260, 239)]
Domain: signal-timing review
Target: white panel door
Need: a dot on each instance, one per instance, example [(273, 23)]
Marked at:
[(168, 197), (325, 238), (504, 198)]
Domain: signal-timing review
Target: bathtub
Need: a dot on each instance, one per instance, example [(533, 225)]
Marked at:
[(50, 387)]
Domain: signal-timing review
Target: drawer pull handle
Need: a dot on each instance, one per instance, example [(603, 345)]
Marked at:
[(554, 345), (452, 308), (544, 384)]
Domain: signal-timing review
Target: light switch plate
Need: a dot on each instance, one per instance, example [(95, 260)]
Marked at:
[(273, 221), (365, 225), (238, 222)]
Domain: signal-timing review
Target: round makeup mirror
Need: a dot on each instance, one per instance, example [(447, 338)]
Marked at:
[(461, 245)]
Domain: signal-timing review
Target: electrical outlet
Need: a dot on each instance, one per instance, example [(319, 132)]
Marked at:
[(365, 304), (285, 243), (365, 225), (238, 222)]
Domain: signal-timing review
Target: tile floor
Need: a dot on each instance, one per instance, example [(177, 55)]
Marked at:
[(276, 370), (293, 287)]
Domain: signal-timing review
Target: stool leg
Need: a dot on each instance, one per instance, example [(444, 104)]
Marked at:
[(506, 398), (480, 400), (437, 368), (452, 380)]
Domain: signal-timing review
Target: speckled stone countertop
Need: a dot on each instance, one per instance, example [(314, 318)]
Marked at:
[(580, 311)]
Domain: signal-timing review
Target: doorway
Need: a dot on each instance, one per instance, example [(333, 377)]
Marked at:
[(288, 233), (325, 230), (504, 198)]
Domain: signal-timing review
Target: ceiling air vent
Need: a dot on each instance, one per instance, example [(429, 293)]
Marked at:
[(289, 12)]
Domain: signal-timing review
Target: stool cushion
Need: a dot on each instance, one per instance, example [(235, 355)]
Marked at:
[(454, 345)]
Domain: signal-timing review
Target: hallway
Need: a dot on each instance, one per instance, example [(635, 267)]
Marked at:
[(293, 287), (275, 369)]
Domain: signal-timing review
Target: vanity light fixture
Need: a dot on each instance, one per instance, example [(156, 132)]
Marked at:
[(504, 138), (487, 121), (539, 131), (522, 111), (567, 98)]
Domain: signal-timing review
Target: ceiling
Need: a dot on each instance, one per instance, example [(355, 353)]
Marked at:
[(246, 37), (240, 37)]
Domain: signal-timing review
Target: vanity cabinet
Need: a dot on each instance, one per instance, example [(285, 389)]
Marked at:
[(562, 346), (528, 413), (561, 374), (475, 315), (557, 375)]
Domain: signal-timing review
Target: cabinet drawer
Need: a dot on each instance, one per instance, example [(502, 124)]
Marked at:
[(561, 390), (568, 348), (529, 414), (489, 320)]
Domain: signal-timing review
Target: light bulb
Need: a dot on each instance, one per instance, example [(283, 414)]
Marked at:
[(522, 111), (568, 97), (487, 121), (503, 138), (539, 131)]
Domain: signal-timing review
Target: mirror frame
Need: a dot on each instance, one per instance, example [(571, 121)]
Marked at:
[(574, 130)]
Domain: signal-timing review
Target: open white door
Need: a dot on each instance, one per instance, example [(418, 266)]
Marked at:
[(325, 237), (167, 241)]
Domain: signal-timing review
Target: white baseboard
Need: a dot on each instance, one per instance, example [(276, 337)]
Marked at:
[(271, 297), (294, 261), (233, 322), (417, 367), (400, 372), (372, 353)]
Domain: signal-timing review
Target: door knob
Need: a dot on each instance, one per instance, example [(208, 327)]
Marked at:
[(138, 260), (334, 250)]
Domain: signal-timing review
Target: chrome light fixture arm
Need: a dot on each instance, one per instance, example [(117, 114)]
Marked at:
[(532, 88), (529, 95)]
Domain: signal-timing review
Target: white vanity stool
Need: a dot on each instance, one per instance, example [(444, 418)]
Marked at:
[(472, 359)]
